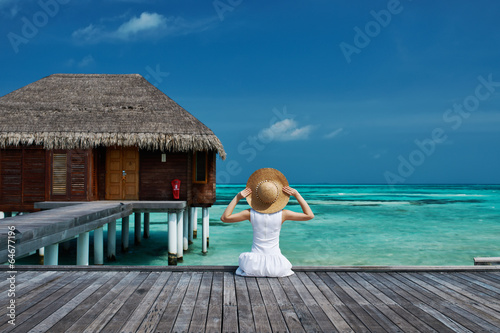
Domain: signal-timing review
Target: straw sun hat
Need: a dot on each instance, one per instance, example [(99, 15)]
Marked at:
[(267, 191)]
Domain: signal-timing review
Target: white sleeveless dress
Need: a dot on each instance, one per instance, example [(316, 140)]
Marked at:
[(266, 258)]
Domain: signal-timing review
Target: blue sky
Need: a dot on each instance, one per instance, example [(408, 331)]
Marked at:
[(392, 92)]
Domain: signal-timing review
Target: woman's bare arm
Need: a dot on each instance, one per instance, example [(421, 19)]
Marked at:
[(306, 214), (229, 217)]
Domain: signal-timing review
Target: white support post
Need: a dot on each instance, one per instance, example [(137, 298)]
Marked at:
[(51, 255), (99, 246), (208, 227), (204, 230), (172, 238), (137, 228), (112, 241), (195, 223), (190, 225), (125, 228), (82, 249), (41, 253), (180, 235), (185, 222), (146, 225)]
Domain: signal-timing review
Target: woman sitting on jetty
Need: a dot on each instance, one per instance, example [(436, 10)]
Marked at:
[(267, 192)]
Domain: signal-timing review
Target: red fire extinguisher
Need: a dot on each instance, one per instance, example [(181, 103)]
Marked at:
[(176, 188)]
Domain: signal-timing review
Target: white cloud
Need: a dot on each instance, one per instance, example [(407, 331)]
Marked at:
[(151, 25), (334, 133), (145, 22), (86, 61), (89, 33), (286, 130)]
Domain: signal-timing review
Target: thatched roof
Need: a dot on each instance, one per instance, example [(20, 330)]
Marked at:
[(67, 111)]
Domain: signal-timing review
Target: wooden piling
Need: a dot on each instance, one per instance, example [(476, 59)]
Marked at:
[(125, 231), (180, 236), (137, 228), (190, 224), (146, 225), (112, 241), (195, 223), (185, 223), (172, 238), (204, 230), (98, 246), (51, 255), (82, 249)]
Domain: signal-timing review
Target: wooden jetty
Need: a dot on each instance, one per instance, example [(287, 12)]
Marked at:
[(214, 299), (64, 221)]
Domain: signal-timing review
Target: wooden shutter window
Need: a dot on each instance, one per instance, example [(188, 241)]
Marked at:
[(59, 174), (200, 167)]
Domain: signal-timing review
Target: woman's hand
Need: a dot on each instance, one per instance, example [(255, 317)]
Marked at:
[(245, 193), (290, 191), (228, 215), (306, 214)]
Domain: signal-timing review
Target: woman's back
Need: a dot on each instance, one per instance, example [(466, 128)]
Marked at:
[(265, 259), (266, 232)]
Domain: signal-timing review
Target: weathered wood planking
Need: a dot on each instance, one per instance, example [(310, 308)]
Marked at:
[(156, 299), (69, 219)]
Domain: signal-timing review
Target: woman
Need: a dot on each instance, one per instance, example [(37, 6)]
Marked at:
[(267, 192)]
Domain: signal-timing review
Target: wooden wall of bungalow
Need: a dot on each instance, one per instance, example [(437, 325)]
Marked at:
[(33, 174)]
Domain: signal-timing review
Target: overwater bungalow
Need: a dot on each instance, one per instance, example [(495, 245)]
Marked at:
[(83, 137)]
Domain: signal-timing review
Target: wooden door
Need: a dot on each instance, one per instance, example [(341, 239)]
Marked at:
[(122, 173)]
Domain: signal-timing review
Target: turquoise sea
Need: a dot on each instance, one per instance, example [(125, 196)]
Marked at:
[(354, 225)]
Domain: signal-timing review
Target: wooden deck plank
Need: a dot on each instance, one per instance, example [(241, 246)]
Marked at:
[(200, 311), (481, 315), (116, 304), (95, 299), (215, 312), (259, 311), (229, 307), (157, 309), (493, 276), (362, 298), (55, 299), (323, 282), (305, 316), (314, 284), (107, 295), (27, 289), (20, 277), (353, 304), (382, 304), (291, 319), (470, 290), (186, 309), (314, 308), (245, 315), (383, 299), (480, 283), (406, 300), (136, 318), (447, 312), (75, 314), (271, 305), (167, 321), (65, 308)]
